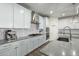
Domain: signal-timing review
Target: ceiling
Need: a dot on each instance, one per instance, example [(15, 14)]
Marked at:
[(58, 8)]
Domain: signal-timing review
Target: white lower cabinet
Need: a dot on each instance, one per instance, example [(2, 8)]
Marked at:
[(42, 40), (13, 51), (22, 47), (35, 43), (5, 50), (16, 49), (30, 45)]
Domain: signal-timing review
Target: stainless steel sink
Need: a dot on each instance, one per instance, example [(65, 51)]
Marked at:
[(63, 39), (35, 34)]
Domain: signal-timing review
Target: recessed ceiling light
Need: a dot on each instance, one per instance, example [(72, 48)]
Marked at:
[(21, 11), (74, 53), (51, 12), (63, 53), (63, 14)]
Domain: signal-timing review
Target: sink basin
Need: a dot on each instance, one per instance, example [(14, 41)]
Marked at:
[(63, 39), (35, 34)]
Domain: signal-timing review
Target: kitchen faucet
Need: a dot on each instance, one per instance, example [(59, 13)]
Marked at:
[(69, 31)]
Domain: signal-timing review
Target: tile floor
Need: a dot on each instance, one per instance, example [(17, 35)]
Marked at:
[(57, 48), (37, 52), (60, 48)]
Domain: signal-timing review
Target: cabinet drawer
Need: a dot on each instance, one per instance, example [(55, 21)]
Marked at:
[(5, 46), (4, 54), (4, 50)]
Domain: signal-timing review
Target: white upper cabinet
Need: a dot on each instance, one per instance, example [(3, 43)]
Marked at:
[(14, 16), (6, 15), (22, 17), (27, 18), (41, 22), (18, 16)]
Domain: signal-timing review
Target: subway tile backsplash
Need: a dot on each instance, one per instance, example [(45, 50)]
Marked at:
[(19, 31)]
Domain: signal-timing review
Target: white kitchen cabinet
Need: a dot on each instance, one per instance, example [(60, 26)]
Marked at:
[(24, 45), (41, 22), (30, 45), (19, 49), (6, 15), (14, 16), (27, 18), (18, 16), (5, 50), (35, 43), (13, 49), (42, 40), (16, 48)]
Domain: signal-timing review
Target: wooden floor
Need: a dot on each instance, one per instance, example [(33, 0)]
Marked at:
[(37, 52)]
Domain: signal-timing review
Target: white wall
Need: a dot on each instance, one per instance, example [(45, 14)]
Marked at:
[(68, 22), (47, 21), (53, 25)]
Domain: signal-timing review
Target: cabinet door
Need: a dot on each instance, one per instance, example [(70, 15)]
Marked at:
[(40, 42), (24, 45), (13, 50), (27, 18), (30, 45), (18, 16), (19, 48), (6, 15), (43, 39), (41, 22), (35, 43), (16, 48), (5, 50)]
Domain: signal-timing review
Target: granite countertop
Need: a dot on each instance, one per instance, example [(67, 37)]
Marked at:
[(18, 39)]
